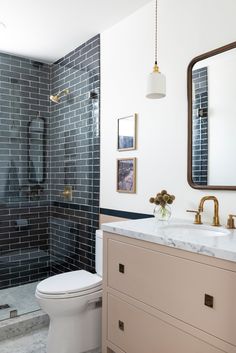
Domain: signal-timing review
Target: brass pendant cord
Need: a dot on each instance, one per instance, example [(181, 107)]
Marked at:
[(156, 85), (156, 34)]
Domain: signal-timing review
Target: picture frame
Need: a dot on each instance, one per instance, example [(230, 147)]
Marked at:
[(126, 175), (126, 133)]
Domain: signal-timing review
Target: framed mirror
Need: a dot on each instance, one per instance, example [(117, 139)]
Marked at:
[(36, 151), (212, 119)]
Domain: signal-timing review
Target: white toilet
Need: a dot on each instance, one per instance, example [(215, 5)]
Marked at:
[(73, 302)]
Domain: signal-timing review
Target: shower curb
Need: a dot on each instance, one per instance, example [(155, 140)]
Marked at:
[(23, 324)]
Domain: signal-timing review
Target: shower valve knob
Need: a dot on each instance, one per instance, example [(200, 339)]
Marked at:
[(67, 193)]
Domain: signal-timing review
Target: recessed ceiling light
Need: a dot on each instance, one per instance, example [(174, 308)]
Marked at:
[(2, 25)]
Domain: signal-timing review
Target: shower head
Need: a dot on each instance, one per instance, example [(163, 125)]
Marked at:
[(56, 98)]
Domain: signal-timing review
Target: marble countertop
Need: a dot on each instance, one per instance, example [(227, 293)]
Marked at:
[(148, 229)]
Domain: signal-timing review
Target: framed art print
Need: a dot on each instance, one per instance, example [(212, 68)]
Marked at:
[(126, 175), (126, 136)]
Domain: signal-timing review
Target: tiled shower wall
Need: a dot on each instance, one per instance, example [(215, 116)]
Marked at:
[(75, 156), (43, 233), (200, 127), (24, 218)]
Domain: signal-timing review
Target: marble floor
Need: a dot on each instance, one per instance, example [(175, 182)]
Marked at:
[(19, 298), (34, 342)]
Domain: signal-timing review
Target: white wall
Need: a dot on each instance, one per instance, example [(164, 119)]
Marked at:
[(186, 28)]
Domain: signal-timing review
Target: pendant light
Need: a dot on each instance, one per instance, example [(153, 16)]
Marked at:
[(156, 84)]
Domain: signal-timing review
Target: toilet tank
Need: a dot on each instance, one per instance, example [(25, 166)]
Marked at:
[(99, 251)]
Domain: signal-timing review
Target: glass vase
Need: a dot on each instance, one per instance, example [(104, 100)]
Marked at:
[(162, 213)]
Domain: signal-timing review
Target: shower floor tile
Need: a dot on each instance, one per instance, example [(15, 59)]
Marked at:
[(19, 298), (32, 343)]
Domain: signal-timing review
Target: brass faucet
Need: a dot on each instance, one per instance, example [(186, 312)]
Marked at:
[(197, 218), (216, 220), (230, 221)]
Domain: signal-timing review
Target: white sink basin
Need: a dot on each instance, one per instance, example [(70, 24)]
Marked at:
[(192, 230)]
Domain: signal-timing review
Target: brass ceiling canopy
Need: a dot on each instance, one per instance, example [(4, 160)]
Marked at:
[(56, 98)]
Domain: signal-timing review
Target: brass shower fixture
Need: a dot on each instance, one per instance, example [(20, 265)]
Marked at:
[(56, 98)]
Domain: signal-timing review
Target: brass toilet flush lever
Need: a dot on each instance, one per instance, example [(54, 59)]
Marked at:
[(230, 221), (197, 218)]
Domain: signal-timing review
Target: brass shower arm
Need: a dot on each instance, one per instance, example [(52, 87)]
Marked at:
[(63, 92)]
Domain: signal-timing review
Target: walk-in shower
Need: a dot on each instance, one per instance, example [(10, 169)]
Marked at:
[(24, 193), (45, 147)]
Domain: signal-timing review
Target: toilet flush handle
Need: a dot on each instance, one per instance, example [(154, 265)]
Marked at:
[(96, 303)]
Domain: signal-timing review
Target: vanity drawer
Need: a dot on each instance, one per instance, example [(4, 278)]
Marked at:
[(179, 287), (136, 331)]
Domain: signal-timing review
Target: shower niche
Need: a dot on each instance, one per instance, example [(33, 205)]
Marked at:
[(37, 151)]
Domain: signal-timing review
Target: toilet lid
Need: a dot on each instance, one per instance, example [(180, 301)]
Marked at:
[(69, 282)]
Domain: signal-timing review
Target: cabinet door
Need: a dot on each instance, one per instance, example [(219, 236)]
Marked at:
[(135, 331), (198, 294)]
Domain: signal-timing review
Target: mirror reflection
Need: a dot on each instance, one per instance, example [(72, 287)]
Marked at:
[(213, 121)]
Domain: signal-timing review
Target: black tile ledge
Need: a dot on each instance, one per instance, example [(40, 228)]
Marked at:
[(124, 214)]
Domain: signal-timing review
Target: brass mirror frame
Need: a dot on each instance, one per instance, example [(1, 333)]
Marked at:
[(190, 123)]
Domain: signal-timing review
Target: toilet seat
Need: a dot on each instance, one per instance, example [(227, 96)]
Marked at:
[(81, 294), (69, 284)]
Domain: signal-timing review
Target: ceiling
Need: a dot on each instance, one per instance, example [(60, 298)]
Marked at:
[(46, 30)]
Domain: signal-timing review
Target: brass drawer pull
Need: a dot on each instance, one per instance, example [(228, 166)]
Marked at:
[(121, 325), (209, 300), (121, 268)]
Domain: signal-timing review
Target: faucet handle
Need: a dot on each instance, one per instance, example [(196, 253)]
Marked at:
[(197, 218), (230, 221)]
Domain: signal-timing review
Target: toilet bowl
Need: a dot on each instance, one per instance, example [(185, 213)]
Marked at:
[(73, 302)]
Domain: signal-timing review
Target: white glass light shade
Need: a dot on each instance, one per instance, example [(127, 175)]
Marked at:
[(156, 85)]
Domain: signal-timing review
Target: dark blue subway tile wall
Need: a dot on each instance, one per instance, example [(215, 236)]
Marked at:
[(200, 127), (41, 233), (72, 238), (24, 208), (75, 158), (24, 244)]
